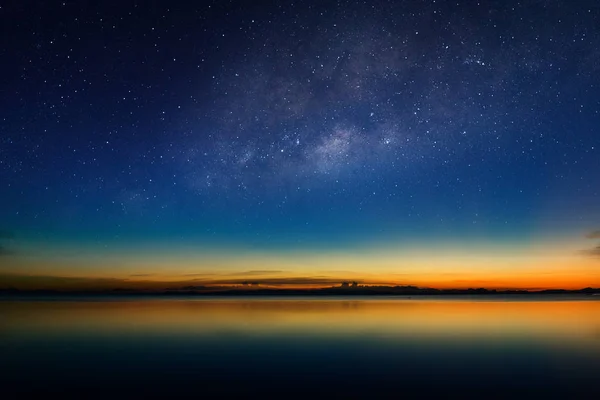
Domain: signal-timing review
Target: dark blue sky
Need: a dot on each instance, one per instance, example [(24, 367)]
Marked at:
[(317, 124)]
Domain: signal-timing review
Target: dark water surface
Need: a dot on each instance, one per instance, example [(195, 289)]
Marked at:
[(313, 347)]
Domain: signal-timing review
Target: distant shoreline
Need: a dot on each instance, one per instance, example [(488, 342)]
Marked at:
[(361, 291)]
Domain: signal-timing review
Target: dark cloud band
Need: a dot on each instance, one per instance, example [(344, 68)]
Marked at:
[(593, 235)]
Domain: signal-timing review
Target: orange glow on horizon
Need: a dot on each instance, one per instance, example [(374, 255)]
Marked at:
[(537, 266)]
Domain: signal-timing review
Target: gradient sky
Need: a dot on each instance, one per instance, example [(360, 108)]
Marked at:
[(432, 143)]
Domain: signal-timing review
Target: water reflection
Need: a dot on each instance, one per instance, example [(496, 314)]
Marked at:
[(365, 345)]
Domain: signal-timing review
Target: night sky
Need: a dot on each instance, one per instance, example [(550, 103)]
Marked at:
[(432, 143)]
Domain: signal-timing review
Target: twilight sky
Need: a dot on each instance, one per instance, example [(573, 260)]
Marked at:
[(445, 144)]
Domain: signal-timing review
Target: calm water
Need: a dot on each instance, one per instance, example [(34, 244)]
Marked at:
[(314, 347)]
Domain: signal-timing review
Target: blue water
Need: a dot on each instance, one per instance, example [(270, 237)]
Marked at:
[(123, 347)]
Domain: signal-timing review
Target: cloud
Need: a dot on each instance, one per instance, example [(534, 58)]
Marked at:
[(6, 236), (593, 235), (240, 273), (257, 272), (5, 252), (48, 282), (595, 252), (192, 287), (70, 283), (299, 280)]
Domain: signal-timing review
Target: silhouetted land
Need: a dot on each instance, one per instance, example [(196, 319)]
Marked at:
[(344, 290)]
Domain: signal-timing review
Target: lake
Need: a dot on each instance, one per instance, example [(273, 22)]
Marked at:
[(300, 347)]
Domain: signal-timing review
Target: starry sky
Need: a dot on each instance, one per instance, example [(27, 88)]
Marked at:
[(436, 143)]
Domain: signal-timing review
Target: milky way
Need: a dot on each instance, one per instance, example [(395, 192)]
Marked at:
[(375, 90)]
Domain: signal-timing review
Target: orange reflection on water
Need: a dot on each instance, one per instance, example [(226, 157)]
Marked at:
[(573, 322)]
